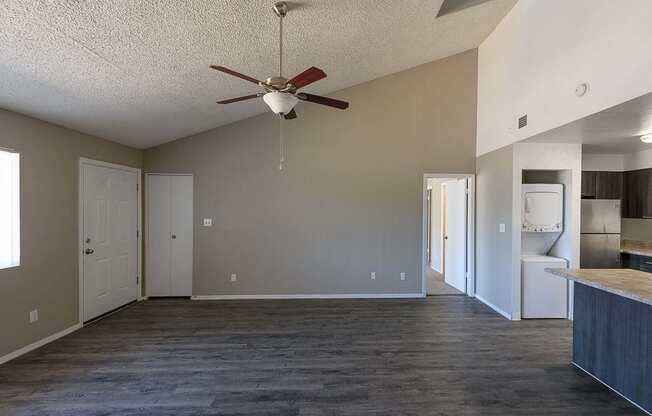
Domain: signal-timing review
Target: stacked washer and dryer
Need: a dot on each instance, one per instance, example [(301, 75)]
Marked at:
[(542, 215)]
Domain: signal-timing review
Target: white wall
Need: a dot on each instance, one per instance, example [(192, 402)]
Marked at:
[(638, 160), (542, 50), (604, 163)]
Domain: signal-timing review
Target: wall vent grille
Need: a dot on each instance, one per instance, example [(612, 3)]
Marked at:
[(522, 122)]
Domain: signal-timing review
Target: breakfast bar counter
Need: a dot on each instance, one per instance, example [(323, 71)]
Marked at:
[(612, 329)]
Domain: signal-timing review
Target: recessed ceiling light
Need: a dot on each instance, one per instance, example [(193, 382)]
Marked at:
[(647, 138)]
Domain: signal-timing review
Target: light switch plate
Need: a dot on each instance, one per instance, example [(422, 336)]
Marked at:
[(33, 316), (234, 277), (501, 228), (208, 222)]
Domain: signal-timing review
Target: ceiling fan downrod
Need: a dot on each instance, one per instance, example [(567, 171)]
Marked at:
[(281, 10)]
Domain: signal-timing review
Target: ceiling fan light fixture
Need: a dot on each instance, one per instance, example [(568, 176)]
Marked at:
[(280, 102), (647, 138)]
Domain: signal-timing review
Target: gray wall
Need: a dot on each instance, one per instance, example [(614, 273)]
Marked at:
[(493, 207), (47, 278), (350, 198)]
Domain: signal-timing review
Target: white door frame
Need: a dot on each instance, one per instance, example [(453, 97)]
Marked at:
[(147, 176), (139, 236), (470, 230)]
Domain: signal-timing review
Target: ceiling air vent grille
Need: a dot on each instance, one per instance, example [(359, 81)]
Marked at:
[(522, 122)]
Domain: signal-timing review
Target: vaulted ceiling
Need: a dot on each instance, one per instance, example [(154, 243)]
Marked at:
[(136, 71)]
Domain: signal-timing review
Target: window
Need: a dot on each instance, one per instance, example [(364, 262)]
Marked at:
[(9, 209)]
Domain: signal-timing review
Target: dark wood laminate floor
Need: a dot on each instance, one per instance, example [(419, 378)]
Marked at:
[(445, 355)]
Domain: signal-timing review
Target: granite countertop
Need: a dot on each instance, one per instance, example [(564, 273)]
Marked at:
[(639, 248), (628, 283)]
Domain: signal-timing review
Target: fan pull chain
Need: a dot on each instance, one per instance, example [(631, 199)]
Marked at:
[(281, 143)]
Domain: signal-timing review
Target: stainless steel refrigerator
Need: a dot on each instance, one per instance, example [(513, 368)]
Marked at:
[(600, 234)]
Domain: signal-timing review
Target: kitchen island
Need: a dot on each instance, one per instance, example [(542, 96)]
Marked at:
[(612, 329)]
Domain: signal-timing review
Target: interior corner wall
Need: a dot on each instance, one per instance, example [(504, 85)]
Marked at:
[(494, 251), (47, 278), (549, 156), (350, 198), (542, 50)]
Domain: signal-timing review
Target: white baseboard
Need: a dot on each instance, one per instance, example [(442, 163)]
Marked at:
[(494, 307), (310, 296), (38, 344)]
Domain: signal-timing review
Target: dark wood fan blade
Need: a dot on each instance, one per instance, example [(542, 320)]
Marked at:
[(291, 115), (318, 99), (307, 77), (235, 74), (235, 100)]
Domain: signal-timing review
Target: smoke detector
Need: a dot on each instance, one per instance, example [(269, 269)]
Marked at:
[(582, 89)]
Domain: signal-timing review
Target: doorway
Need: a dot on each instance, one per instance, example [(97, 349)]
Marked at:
[(448, 235), (109, 219)]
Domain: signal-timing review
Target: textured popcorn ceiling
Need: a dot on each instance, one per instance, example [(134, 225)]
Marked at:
[(136, 71)]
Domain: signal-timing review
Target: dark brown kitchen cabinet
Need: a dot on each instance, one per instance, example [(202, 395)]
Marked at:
[(602, 185), (637, 194), (589, 184)]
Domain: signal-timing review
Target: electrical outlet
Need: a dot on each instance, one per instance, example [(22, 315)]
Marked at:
[(402, 275), (234, 277), (33, 316), (373, 275), (208, 222)]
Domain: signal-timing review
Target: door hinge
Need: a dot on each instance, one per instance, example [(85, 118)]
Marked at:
[(137, 233), (136, 187), (137, 279)]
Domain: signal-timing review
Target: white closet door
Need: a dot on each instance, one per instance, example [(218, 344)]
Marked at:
[(158, 235), (169, 235), (182, 220)]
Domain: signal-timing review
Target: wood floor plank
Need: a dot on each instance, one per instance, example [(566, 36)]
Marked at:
[(447, 355)]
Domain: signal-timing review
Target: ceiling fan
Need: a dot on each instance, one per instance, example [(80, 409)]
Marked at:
[(281, 94)]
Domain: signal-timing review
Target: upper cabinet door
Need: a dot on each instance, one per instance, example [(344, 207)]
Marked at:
[(609, 185), (637, 194), (589, 184)]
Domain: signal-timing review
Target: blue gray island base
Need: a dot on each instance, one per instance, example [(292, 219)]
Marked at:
[(612, 341)]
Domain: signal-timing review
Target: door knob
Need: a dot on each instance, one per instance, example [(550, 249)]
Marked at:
[(89, 251), (174, 236)]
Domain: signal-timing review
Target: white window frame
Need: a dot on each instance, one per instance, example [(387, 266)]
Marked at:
[(10, 206)]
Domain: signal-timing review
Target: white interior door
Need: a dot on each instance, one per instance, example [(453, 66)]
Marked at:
[(110, 224), (159, 231), (169, 235), (181, 249), (455, 234)]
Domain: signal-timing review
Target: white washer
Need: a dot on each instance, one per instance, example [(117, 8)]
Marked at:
[(544, 295)]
